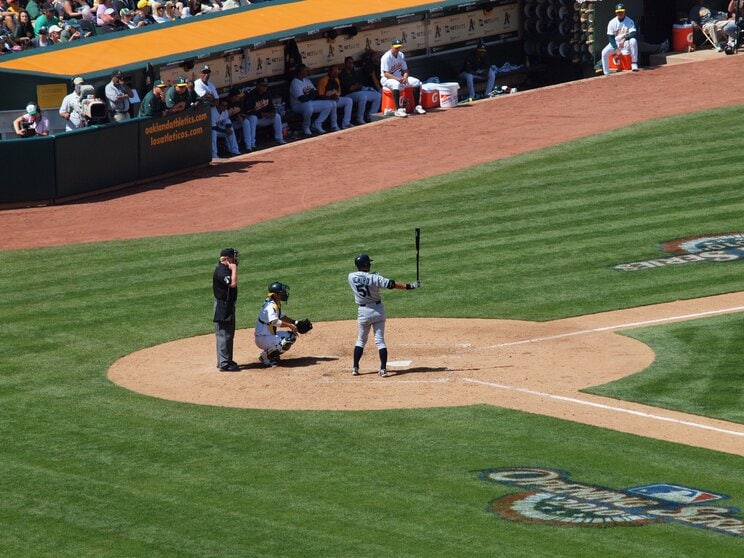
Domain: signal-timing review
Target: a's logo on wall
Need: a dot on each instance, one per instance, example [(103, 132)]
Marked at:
[(725, 247), (549, 497)]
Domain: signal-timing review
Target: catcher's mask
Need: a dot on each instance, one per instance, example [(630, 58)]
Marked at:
[(230, 253), (281, 289), (362, 261)]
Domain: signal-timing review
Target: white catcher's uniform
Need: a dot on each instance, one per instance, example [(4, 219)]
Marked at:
[(266, 334), (619, 29), (397, 66), (371, 312)]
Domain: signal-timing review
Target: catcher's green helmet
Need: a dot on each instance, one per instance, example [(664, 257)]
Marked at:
[(281, 289)]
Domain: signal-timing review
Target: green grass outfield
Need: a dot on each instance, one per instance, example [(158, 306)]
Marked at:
[(90, 469)]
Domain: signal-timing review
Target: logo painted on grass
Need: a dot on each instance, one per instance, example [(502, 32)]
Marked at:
[(725, 247), (549, 497)]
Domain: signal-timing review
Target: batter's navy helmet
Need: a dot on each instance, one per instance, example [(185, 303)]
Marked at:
[(281, 289), (362, 261)]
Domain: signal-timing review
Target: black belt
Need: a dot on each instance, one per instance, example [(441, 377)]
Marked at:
[(371, 303)]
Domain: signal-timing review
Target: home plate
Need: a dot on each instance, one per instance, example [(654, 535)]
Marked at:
[(399, 363)]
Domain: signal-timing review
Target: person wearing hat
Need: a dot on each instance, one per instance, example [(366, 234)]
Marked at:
[(303, 98), (177, 98), (204, 88), (711, 23), (111, 22), (47, 18), (71, 108), (126, 16), (394, 76), (31, 123), (42, 38), (477, 67), (153, 105), (144, 14), (622, 35), (118, 94), (71, 32), (225, 290), (329, 88), (222, 128), (259, 109), (235, 109)]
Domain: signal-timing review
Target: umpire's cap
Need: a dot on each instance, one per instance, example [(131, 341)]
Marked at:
[(230, 253), (362, 261)]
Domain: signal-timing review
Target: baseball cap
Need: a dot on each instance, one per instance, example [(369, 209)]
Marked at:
[(43, 30), (481, 45), (125, 12), (143, 4), (31, 109), (620, 8), (229, 252), (109, 11), (396, 43), (117, 74), (158, 83), (55, 29), (205, 69), (263, 81), (78, 81), (181, 82)]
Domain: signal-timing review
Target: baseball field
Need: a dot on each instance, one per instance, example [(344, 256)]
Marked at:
[(569, 378)]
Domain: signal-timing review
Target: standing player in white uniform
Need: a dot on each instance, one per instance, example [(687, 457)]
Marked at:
[(270, 318), (621, 31), (394, 76), (371, 312)]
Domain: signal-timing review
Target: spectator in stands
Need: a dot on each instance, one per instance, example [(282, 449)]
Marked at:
[(127, 18), (42, 38), (158, 12), (153, 105), (103, 5), (118, 94), (33, 9), (394, 76), (329, 89), (185, 11), (178, 98), (171, 14), (14, 9), (46, 19), (204, 88), (222, 128), (144, 14), (31, 123), (240, 122), (73, 9), (55, 31), (303, 98), (195, 7), (24, 31), (71, 108), (259, 109), (111, 23), (361, 95), (477, 67), (71, 32), (711, 22)]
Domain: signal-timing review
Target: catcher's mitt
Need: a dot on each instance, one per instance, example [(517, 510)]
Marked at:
[(303, 326)]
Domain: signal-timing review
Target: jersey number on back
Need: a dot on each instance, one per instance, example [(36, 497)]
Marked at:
[(363, 290)]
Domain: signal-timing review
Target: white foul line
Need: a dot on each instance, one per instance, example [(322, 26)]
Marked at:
[(619, 326), (605, 407)]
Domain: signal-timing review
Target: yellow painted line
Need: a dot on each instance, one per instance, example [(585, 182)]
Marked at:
[(201, 35)]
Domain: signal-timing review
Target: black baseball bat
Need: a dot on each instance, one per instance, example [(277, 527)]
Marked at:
[(418, 241)]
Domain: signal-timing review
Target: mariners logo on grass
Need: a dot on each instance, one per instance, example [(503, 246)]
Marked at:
[(725, 247), (549, 497)]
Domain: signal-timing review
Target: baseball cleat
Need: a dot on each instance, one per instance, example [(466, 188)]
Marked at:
[(388, 112), (383, 373), (401, 113), (355, 371), (266, 362), (419, 109)]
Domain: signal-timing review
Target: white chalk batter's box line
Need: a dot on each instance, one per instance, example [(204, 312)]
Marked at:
[(630, 325), (604, 407)]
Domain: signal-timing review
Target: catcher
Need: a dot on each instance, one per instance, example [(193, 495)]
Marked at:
[(271, 317)]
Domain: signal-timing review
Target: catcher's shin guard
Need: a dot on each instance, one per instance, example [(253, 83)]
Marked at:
[(287, 342)]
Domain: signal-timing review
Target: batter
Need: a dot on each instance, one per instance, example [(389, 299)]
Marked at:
[(371, 312)]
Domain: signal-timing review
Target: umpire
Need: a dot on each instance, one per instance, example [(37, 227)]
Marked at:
[(225, 288)]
